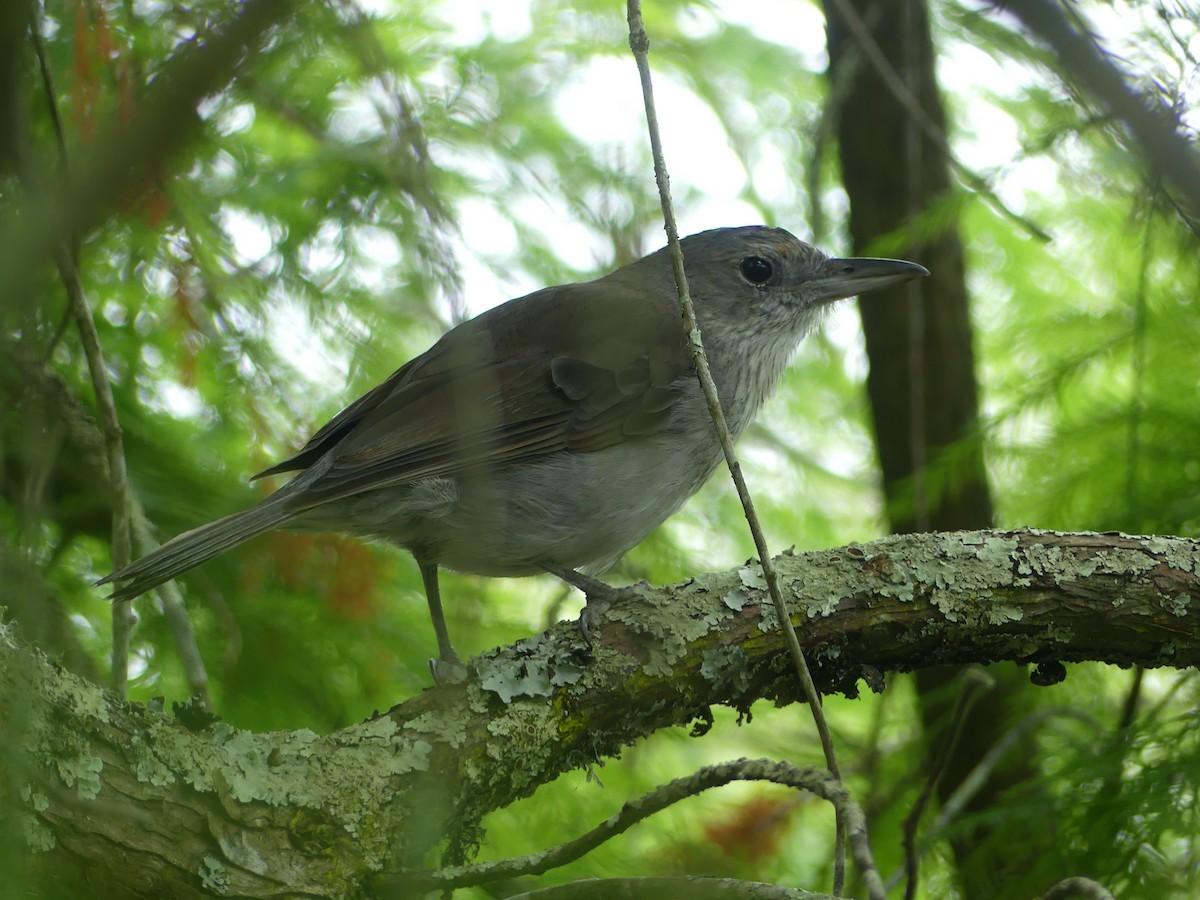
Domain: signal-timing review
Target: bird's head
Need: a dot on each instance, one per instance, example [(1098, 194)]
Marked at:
[(754, 278)]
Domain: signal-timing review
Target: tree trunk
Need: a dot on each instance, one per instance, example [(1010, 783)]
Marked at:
[(922, 370)]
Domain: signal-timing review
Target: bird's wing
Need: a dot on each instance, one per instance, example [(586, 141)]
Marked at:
[(492, 391)]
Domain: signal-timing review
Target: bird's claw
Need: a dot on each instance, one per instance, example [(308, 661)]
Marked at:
[(447, 671)]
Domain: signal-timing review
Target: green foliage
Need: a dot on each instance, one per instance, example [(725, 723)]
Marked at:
[(365, 180)]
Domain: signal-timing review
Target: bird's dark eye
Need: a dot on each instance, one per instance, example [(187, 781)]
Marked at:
[(757, 270)]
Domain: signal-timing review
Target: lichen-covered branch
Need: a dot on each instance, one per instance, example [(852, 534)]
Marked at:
[(109, 790)]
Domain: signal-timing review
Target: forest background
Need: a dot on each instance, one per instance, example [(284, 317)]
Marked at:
[(352, 179)]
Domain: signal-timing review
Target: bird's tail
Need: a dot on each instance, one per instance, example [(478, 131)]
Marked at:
[(193, 547)]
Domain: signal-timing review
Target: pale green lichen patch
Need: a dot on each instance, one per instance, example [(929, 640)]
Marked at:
[(344, 775), (998, 554), (1120, 561), (675, 617), (736, 599), (213, 875), (528, 678), (37, 799), (1000, 613), (964, 570), (948, 605), (449, 730), (1176, 605), (1177, 553), (817, 589), (89, 703), (364, 759), (768, 618), (248, 772), (1061, 634), (818, 607), (751, 575), (38, 836), (82, 773), (147, 767), (306, 742), (532, 668), (727, 669), (566, 673), (529, 732), (1067, 564), (84, 699), (381, 728), (1038, 559)]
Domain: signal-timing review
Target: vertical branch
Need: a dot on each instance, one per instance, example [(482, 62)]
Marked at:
[(974, 681), (66, 258), (114, 451), (1138, 371), (175, 614), (124, 506), (913, 190), (639, 43), (1153, 127)]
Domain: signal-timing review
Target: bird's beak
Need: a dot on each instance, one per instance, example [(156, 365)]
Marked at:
[(858, 275)]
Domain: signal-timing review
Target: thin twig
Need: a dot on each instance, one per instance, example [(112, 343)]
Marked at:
[(668, 888), (639, 43), (1152, 125), (176, 615), (975, 680), (88, 438), (116, 168), (1078, 887), (815, 781), (66, 257), (895, 84), (918, 418), (970, 786), (114, 447)]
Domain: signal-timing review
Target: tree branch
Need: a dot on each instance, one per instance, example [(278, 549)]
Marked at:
[(266, 814), (1154, 127), (822, 783)]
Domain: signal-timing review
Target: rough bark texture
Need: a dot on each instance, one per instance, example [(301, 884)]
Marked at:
[(119, 800)]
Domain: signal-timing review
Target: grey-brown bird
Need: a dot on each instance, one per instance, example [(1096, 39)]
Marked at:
[(553, 432)]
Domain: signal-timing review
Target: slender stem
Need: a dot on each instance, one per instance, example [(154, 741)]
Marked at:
[(1159, 135), (114, 447), (815, 781), (975, 680), (896, 85), (668, 888), (640, 45)]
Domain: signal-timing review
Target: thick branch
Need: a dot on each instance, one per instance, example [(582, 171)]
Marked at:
[(117, 792)]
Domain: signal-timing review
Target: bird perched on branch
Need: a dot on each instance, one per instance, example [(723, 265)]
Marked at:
[(553, 432)]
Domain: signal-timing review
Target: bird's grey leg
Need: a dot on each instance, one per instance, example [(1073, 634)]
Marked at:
[(593, 589), (598, 594), (447, 667)]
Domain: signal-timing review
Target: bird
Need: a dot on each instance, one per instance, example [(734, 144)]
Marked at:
[(554, 432)]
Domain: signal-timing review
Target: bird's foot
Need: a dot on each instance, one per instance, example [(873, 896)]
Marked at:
[(448, 671), (599, 596), (598, 602)]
